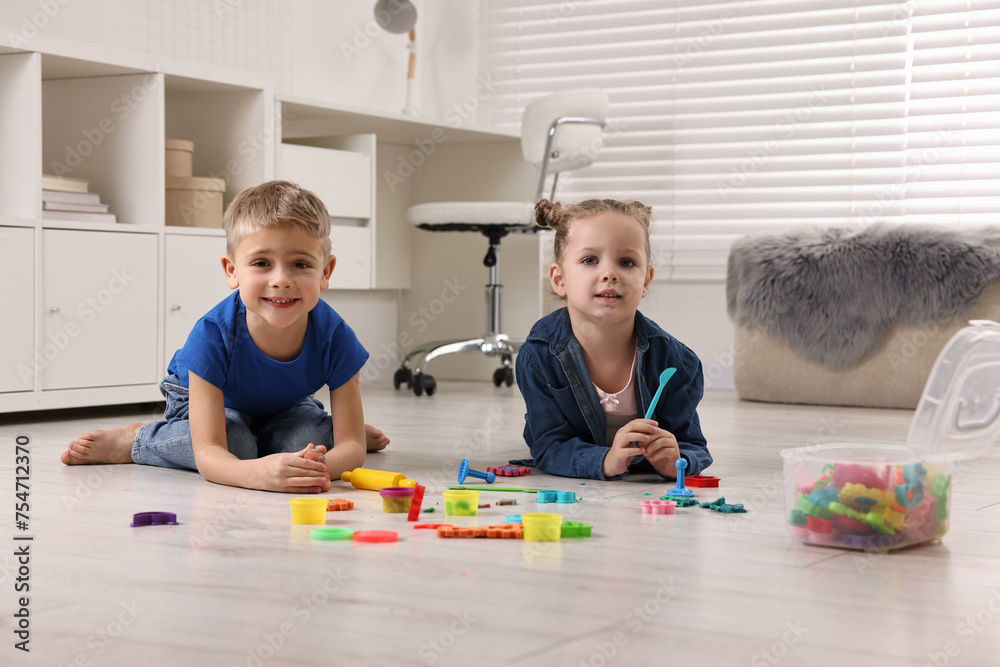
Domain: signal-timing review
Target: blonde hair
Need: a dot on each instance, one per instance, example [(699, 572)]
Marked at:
[(561, 217), (275, 204)]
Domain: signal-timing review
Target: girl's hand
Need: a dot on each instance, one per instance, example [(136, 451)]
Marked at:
[(622, 451), (662, 451), (293, 473)]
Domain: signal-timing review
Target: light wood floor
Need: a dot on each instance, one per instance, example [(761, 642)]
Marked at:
[(237, 584)]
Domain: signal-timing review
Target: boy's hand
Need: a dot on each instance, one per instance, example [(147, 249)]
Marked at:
[(622, 451), (662, 451), (293, 473)]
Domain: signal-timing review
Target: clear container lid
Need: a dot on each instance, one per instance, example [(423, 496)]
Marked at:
[(958, 416)]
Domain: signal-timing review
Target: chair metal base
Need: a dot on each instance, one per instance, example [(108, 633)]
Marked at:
[(412, 371)]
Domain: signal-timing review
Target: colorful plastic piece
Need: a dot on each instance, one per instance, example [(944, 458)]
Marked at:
[(864, 497), (576, 529), (373, 480), (679, 490), (939, 489), (339, 505), (465, 471), (415, 503), (375, 536), (483, 505), (510, 471), (495, 488), (153, 519), (431, 526), (332, 533), (702, 481), (721, 505), (512, 518), (500, 531), (819, 525), (550, 496), (657, 506), (910, 494), (850, 473), (502, 503)]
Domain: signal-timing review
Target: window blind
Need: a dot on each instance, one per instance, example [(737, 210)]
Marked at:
[(744, 116)]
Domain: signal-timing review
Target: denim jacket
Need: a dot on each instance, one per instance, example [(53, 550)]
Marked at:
[(565, 424)]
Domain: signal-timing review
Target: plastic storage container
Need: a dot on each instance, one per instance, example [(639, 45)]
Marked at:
[(861, 496), (396, 499), (542, 526), (461, 502), (308, 510)]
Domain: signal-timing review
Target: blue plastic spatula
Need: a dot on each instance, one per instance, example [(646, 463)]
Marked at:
[(664, 379)]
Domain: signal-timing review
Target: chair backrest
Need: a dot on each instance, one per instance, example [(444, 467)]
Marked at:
[(574, 144)]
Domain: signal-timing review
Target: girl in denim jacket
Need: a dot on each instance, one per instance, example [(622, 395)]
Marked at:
[(588, 371)]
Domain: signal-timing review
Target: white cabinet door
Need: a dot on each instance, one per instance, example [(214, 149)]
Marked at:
[(195, 284), (99, 319), (17, 256)]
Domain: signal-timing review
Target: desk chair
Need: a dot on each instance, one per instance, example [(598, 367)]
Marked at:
[(559, 132)]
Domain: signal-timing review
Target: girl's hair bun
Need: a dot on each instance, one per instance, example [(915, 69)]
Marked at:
[(545, 213)]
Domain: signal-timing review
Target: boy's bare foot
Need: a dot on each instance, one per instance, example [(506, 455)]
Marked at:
[(114, 446), (375, 440)]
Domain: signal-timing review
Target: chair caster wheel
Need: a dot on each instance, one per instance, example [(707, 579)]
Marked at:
[(503, 375), (424, 384), (402, 376)]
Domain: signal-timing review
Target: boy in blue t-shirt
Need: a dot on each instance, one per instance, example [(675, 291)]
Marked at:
[(240, 406)]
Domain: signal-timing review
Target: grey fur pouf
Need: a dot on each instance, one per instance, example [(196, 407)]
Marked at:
[(832, 293)]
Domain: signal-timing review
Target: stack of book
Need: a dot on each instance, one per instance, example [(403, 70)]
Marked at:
[(70, 199)]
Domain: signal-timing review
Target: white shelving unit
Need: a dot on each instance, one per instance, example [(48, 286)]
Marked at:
[(98, 305)]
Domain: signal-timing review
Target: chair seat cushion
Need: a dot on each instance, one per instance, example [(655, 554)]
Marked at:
[(506, 214)]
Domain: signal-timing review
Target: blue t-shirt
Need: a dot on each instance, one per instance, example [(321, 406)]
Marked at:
[(220, 351)]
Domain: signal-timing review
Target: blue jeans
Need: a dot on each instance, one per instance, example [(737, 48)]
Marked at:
[(167, 443)]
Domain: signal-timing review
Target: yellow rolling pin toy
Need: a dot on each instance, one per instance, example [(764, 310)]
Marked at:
[(375, 480)]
